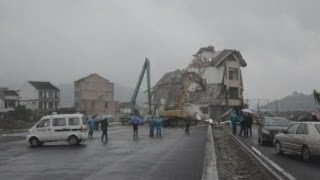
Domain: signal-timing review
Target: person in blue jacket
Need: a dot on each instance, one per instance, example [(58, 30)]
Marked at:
[(91, 127), (159, 126), (234, 120)]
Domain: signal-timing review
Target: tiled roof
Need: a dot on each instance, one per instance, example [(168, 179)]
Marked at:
[(6, 92), (43, 85)]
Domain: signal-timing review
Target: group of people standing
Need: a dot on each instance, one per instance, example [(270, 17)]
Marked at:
[(155, 123), (245, 120), (104, 128)]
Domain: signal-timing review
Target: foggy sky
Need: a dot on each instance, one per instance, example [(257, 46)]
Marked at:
[(62, 41)]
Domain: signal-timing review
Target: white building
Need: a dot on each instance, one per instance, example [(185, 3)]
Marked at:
[(40, 96), (9, 99)]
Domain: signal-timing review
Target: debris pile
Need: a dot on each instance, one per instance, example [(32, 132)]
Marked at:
[(205, 82)]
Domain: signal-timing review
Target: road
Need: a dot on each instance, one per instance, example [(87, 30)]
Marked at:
[(291, 163), (174, 156)]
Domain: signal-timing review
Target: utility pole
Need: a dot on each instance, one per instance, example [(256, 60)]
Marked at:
[(277, 108)]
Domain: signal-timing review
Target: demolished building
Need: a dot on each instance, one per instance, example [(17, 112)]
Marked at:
[(212, 84)]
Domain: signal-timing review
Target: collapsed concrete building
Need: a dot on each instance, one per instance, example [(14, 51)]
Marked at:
[(212, 84)]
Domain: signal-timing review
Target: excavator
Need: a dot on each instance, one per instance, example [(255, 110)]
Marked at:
[(178, 114), (134, 110)]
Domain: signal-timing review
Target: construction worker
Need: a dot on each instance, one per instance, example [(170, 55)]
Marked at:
[(159, 126)]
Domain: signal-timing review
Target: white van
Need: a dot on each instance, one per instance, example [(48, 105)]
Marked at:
[(58, 127)]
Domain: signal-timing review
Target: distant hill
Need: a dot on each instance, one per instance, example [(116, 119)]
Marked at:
[(295, 102), (122, 94)]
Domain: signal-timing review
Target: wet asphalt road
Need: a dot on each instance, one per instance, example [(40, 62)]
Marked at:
[(291, 163), (174, 156)]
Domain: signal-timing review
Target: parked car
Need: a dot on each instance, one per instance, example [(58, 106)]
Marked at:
[(269, 127), (301, 138), (58, 127)]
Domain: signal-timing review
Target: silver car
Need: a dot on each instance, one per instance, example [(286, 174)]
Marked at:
[(301, 138)]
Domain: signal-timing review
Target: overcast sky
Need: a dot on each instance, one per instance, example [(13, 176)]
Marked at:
[(62, 41)]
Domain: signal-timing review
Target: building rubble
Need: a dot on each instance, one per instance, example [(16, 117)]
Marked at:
[(212, 84)]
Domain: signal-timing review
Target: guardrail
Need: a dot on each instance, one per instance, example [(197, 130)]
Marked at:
[(274, 169), (210, 171)]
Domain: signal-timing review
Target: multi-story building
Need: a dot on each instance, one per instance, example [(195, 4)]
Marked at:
[(212, 84), (94, 95), (9, 99), (40, 96)]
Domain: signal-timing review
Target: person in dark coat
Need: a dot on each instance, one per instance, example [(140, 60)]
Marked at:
[(249, 124), (188, 120), (243, 124), (104, 128), (151, 126), (135, 131), (135, 124)]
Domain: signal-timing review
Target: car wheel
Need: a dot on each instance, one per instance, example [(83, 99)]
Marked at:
[(73, 140), (34, 142), (305, 153), (278, 148)]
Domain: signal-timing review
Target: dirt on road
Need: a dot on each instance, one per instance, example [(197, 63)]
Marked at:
[(233, 162)]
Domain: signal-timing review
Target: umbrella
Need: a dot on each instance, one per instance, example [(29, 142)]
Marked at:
[(107, 117), (247, 111), (136, 120)]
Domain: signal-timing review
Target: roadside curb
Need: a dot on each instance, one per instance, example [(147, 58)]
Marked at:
[(210, 163), (273, 168)]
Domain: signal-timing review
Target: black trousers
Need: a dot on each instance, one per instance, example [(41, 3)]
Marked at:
[(104, 135), (90, 134), (135, 133), (234, 129), (187, 131), (244, 130), (249, 130)]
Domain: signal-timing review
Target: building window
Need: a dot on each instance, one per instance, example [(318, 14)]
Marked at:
[(233, 74), (56, 105), (40, 105), (77, 105), (106, 105), (44, 105), (50, 105), (40, 94), (44, 93), (233, 93), (56, 94), (50, 94), (77, 94)]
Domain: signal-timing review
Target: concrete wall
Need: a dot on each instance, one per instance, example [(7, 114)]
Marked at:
[(95, 95)]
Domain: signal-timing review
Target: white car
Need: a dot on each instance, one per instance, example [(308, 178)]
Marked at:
[(301, 138), (58, 127)]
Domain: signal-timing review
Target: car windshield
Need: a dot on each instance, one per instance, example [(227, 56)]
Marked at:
[(277, 122), (317, 127)]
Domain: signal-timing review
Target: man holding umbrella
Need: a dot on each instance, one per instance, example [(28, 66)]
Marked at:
[(135, 120), (104, 128)]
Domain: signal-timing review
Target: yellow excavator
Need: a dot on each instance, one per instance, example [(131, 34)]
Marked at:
[(177, 115)]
